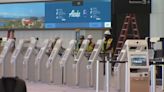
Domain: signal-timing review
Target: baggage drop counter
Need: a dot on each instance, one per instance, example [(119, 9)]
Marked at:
[(53, 70)]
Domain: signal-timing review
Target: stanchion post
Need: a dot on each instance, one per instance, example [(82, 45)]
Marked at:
[(107, 76), (97, 76), (77, 74), (162, 75), (153, 78)]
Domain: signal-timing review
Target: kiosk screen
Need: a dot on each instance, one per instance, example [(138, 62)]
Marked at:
[(138, 60)]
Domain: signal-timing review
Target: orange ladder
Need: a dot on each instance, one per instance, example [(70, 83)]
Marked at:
[(130, 19)]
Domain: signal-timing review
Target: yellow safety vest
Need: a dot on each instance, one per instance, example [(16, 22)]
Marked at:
[(90, 47), (108, 44)]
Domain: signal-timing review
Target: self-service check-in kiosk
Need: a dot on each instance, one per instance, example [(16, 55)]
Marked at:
[(40, 63), (17, 58), (29, 61), (54, 72), (80, 63), (134, 75), (91, 66), (156, 52), (5, 58), (67, 65)]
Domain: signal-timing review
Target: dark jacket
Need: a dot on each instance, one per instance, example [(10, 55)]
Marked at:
[(12, 85)]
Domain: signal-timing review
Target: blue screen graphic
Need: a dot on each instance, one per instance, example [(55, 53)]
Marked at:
[(51, 15), (92, 14)]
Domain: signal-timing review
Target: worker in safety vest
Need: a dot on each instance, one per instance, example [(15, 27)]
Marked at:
[(80, 41), (107, 45), (91, 44)]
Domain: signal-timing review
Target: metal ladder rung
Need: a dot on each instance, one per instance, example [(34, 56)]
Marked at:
[(126, 23), (120, 42), (135, 29), (116, 55), (122, 35), (123, 29), (124, 32), (118, 48)]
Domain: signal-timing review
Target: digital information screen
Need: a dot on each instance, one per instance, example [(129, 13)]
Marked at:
[(51, 15), (22, 15), (138, 60), (92, 14)]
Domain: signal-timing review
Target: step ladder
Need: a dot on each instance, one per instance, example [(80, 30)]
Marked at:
[(129, 21)]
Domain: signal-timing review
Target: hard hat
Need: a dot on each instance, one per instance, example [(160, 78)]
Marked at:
[(81, 36), (107, 32), (90, 36)]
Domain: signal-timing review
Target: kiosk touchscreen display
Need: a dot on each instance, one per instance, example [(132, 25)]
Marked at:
[(138, 60)]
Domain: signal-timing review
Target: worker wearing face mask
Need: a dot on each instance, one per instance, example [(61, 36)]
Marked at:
[(91, 44), (107, 46), (80, 41), (107, 49)]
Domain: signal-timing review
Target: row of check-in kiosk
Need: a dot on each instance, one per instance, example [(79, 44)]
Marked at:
[(32, 63)]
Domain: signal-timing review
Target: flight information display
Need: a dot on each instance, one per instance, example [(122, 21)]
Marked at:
[(61, 14), (92, 14)]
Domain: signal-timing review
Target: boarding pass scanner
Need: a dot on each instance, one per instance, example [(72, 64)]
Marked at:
[(28, 62), (52, 65), (40, 61), (80, 63), (5, 59), (17, 58), (66, 64)]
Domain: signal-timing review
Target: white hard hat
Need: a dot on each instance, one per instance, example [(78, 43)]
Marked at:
[(90, 36), (107, 32)]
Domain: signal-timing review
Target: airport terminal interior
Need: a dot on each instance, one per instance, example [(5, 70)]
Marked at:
[(81, 45)]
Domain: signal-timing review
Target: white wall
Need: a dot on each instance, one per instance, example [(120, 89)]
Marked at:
[(157, 18), (65, 35)]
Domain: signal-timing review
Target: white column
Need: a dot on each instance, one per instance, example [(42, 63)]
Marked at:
[(157, 18)]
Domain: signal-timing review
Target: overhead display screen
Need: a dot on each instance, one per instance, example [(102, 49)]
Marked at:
[(92, 14), (22, 15), (52, 15)]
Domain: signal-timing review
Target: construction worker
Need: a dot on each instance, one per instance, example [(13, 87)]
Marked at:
[(107, 46), (10, 34), (80, 41), (91, 45)]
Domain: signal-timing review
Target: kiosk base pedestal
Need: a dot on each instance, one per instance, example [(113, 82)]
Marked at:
[(139, 84)]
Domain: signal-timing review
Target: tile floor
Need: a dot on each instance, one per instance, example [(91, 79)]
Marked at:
[(40, 87), (37, 87)]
